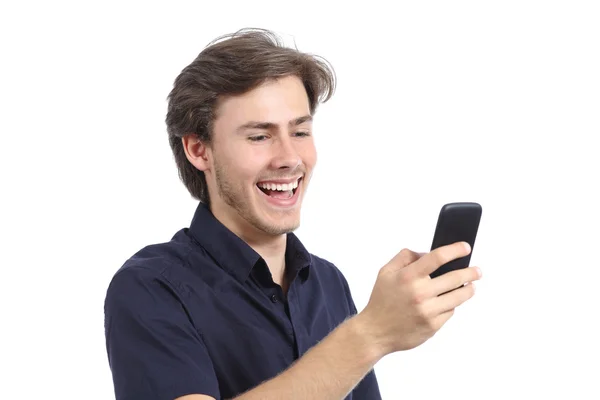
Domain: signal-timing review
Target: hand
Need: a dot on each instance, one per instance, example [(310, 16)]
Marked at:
[(407, 307)]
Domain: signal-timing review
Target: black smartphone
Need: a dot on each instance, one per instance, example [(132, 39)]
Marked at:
[(457, 222)]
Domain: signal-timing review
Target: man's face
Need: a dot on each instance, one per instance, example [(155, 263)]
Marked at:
[(250, 163)]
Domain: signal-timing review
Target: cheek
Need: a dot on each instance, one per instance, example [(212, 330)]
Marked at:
[(250, 168), (309, 155), (243, 166)]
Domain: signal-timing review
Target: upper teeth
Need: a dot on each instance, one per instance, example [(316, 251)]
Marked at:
[(282, 187)]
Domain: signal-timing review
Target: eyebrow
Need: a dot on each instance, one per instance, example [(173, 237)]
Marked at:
[(271, 125)]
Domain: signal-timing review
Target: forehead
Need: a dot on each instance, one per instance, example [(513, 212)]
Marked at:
[(276, 101)]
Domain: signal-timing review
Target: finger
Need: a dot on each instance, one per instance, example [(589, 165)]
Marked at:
[(440, 256), (404, 258), (451, 300), (453, 279), (441, 319)]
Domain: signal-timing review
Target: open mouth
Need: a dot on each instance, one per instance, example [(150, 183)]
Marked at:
[(285, 191)]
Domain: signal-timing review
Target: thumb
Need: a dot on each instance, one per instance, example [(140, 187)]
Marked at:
[(403, 259)]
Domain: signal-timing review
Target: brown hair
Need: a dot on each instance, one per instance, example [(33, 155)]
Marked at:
[(229, 65)]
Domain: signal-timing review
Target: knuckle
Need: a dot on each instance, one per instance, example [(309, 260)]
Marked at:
[(431, 324), (440, 257), (457, 278), (401, 259), (384, 270), (468, 291), (385, 274), (405, 252), (418, 298), (422, 316), (406, 257), (405, 277)]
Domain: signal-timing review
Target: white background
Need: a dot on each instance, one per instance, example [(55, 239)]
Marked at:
[(493, 102)]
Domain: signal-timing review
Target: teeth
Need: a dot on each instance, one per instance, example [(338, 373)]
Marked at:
[(280, 187)]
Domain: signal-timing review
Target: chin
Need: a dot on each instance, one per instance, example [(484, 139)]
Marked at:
[(277, 222)]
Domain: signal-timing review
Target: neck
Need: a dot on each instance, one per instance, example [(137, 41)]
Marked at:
[(270, 247)]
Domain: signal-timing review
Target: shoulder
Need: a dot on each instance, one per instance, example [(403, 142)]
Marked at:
[(328, 271), (155, 268), (159, 257), (154, 345)]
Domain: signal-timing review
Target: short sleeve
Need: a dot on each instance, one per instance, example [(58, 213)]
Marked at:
[(368, 387), (154, 350), (347, 293)]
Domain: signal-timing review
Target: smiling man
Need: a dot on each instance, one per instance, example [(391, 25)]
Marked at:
[(234, 306), (234, 300), (259, 166)]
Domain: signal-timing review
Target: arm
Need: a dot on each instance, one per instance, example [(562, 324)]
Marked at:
[(329, 370), (341, 363), (155, 353), (153, 349), (368, 388)]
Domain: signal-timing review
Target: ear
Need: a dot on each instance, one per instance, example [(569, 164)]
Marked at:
[(196, 151)]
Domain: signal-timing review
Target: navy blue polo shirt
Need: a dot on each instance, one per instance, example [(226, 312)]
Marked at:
[(201, 314)]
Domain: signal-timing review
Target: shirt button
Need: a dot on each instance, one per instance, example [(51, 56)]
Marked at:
[(274, 298)]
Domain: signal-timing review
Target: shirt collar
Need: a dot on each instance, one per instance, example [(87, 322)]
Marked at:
[(235, 255)]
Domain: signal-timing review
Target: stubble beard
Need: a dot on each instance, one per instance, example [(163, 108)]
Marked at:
[(234, 196)]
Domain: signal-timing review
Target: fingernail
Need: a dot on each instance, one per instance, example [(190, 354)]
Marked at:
[(478, 271), (467, 246)]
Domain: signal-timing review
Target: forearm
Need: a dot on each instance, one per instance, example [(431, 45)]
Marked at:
[(329, 370)]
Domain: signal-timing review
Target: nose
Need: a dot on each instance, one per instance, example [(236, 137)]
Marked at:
[(286, 154)]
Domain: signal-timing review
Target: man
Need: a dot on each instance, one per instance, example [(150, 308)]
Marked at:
[(234, 306)]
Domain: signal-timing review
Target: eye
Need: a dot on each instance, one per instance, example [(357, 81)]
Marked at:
[(302, 134), (257, 138)]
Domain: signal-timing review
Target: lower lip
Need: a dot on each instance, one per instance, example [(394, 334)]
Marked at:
[(282, 203)]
